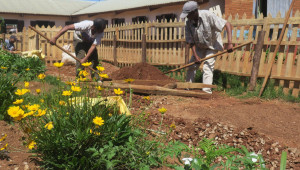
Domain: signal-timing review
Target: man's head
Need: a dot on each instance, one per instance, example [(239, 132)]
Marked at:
[(99, 25), (12, 39), (190, 10)]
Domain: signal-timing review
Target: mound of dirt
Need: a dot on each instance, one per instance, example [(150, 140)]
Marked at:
[(141, 71)]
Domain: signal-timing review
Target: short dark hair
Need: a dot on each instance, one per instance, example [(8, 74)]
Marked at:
[(99, 24), (13, 37)]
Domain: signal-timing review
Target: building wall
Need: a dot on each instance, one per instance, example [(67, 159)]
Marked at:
[(151, 14), (59, 20), (246, 6)]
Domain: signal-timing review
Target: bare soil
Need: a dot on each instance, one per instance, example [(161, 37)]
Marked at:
[(264, 126)]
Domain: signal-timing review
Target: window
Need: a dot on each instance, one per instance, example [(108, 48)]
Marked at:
[(117, 21), (139, 19), (167, 17), (12, 26), (42, 23)]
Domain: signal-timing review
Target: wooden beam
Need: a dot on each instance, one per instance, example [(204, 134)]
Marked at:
[(152, 89), (184, 85)]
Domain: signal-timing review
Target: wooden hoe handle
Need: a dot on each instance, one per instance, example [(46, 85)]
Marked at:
[(58, 46), (215, 55)]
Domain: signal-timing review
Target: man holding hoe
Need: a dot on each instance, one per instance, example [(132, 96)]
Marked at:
[(87, 36), (203, 33)]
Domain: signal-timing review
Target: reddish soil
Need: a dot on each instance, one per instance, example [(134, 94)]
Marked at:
[(268, 127), (142, 71)]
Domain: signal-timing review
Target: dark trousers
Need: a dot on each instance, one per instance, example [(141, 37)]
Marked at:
[(81, 49)]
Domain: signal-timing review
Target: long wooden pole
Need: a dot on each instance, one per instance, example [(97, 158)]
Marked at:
[(58, 46), (212, 56), (276, 49)]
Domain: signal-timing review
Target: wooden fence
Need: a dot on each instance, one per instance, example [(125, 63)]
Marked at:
[(164, 44)]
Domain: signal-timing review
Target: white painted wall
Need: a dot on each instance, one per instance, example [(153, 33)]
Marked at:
[(59, 20), (128, 15)]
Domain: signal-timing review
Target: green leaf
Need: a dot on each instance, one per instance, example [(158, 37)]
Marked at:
[(283, 161)]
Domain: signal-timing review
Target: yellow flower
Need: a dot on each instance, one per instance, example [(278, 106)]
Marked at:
[(99, 88), (33, 107), (49, 126), (42, 100), (98, 121), (58, 65), (162, 110), (110, 115), (146, 97), (118, 91), (67, 93), (129, 80), (26, 84), (173, 126), (82, 78), (103, 75), (38, 91), (76, 88), (4, 68), (18, 101), (100, 68), (15, 111), (62, 103), (97, 133), (86, 64), (5, 146), (41, 76), (91, 131), (41, 112), (31, 144), (71, 83), (3, 138), (148, 153), (28, 114), (27, 69), (83, 73), (21, 92)]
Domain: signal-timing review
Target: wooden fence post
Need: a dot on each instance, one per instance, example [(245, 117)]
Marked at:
[(256, 59), (37, 42), (115, 50), (144, 46)]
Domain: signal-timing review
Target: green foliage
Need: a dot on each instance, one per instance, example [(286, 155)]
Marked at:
[(283, 160), (18, 65), (206, 153), (7, 89), (118, 144)]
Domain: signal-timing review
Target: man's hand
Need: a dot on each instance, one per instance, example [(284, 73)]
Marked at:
[(53, 41), (229, 47), (197, 59), (83, 60)]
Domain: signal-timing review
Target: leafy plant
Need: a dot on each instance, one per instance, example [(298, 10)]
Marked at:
[(7, 96)]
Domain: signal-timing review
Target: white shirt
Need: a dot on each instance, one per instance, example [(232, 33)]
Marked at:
[(207, 34), (83, 32)]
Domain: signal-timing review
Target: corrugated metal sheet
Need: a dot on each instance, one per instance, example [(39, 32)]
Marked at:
[(43, 7), (116, 5)]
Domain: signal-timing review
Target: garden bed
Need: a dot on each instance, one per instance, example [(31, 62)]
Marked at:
[(266, 126)]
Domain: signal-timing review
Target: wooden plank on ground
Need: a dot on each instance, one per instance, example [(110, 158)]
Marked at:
[(152, 89), (184, 85)]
